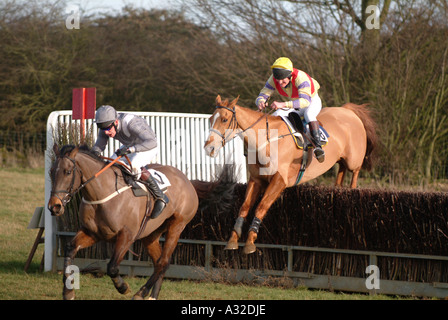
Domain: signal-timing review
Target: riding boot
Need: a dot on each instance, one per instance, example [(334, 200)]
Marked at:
[(161, 200), (315, 134)]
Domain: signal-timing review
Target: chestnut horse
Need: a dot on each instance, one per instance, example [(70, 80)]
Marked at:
[(274, 161), (108, 215)]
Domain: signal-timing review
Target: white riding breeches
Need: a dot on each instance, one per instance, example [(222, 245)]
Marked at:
[(139, 160), (309, 113)]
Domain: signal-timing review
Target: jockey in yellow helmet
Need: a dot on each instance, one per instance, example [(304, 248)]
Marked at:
[(297, 90)]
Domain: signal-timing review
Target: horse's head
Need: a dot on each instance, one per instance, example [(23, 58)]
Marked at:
[(65, 177), (222, 126)]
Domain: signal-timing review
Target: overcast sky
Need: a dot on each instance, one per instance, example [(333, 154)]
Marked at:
[(91, 6)]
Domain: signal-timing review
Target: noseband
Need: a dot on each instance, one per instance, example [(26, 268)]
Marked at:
[(233, 122)]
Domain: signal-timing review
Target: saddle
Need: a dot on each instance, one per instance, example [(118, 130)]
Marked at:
[(139, 187), (297, 124), (298, 127)]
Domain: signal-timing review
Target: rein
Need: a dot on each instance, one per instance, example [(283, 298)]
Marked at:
[(234, 122), (70, 192)]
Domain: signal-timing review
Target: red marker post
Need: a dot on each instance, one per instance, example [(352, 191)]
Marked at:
[(83, 106)]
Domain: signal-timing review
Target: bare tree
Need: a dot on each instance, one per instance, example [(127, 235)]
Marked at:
[(370, 50)]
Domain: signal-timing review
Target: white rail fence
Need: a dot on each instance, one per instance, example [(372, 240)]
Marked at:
[(180, 138)]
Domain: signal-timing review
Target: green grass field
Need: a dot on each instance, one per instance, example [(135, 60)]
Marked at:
[(22, 190)]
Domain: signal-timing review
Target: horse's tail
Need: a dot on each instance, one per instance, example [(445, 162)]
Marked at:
[(218, 193), (370, 126)]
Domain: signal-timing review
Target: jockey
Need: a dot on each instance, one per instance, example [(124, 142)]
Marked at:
[(299, 91), (139, 141)]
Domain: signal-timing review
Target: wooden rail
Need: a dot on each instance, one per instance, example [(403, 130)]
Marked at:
[(207, 271)]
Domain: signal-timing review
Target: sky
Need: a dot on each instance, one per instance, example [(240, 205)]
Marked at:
[(111, 6)]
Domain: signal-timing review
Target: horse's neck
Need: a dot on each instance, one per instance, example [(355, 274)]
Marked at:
[(248, 118), (104, 184)]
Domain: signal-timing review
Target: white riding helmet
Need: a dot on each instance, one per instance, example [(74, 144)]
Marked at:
[(105, 116)]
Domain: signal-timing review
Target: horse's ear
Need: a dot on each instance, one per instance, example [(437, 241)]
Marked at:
[(233, 103), (56, 149), (74, 152), (218, 100)]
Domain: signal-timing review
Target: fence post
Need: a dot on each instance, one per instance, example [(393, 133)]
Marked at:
[(290, 259), (373, 260), (208, 256), (50, 225)]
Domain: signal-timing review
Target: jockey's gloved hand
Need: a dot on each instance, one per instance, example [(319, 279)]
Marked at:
[(123, 151), (97, 153)]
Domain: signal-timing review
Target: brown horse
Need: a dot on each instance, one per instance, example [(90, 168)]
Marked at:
[(108, 215), (274, 161)]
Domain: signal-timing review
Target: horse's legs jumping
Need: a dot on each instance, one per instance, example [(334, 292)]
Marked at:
[(80, 241), (252, 192), (341, 174), (122, 243), (161, 257), (273, 191), (354, 182)]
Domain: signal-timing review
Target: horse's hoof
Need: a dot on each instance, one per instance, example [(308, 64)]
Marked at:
[(137, 297), (249, 248), (231, 246), (124, 289), (69, 295)]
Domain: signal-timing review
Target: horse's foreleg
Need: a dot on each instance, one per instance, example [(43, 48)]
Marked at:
[(80, 241), (122, 243), (273, 191), (252, 192)]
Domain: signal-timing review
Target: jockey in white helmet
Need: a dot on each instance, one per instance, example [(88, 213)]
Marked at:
[(139, 143)]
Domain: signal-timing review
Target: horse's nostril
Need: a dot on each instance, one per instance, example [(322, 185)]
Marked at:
[(55, 209)]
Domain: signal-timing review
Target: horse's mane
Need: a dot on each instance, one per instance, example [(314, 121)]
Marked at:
[(87, 150), (67, 149)]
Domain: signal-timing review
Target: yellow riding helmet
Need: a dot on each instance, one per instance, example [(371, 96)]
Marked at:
[(282, 63)]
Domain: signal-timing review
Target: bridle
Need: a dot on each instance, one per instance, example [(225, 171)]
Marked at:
[(70, 192), (233, 125)]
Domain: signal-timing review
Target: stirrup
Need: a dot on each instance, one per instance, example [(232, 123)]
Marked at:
[(319, 153)]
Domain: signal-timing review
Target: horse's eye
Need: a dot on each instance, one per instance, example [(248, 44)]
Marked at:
[(67, 172), (224, 120)]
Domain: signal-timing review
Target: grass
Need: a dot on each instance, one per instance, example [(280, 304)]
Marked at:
[(22, 190)]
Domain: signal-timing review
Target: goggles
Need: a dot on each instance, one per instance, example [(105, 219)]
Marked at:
[(108, 127)]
